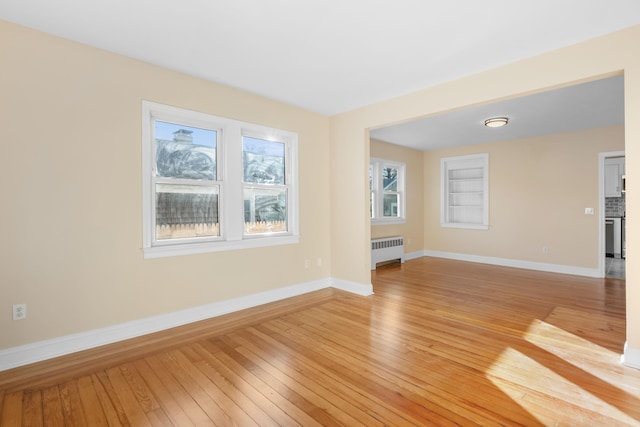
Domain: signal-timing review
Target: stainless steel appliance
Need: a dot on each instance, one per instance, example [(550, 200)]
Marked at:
[(624, 244), (608, 233)]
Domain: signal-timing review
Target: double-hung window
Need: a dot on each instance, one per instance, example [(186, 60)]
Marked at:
[(386, 190), (212, 184)]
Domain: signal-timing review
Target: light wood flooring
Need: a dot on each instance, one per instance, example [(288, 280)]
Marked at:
[(440, 343), (615, 267)]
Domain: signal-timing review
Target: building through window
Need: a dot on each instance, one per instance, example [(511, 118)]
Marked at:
[(211, 183)]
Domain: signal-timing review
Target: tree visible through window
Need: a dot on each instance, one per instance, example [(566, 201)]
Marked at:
[(390, 192), (386, 183)]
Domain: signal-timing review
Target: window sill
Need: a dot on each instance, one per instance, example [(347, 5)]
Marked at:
[(201, 248), (388, 221), (467, 226)]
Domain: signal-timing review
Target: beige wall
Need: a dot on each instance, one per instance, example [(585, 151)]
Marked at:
[(538, 190), (350, 225), (600, 57), (413, 229), (71, 223), (71, 212)]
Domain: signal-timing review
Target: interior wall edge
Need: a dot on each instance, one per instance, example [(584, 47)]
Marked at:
[(631, 357)]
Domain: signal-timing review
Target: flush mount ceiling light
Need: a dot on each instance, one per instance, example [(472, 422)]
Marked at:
[(496, 122)]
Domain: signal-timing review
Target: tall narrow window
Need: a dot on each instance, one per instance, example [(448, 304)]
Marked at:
[(265, 186), (386, 185), (465, 191)]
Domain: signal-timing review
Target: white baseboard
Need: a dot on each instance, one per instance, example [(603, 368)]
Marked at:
[(353, 287), (528, 265), (43, 350), (631, 357), (48, 349), (413, 255)]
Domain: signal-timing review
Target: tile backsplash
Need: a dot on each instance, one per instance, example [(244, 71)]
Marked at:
[(614, 206)]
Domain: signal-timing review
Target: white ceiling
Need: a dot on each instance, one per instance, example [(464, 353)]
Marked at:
[(590, 105), (327, 56)]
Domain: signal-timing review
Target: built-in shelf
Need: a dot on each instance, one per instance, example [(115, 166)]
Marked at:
[(464, 181)]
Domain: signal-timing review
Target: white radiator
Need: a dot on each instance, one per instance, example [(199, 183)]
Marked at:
[(386, 249)]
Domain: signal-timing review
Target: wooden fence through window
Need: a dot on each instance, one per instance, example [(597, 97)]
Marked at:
[(181, 231)]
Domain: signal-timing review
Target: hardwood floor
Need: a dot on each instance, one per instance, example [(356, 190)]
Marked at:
[(440, 343)]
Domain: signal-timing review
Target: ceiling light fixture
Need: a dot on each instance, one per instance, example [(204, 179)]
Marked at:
[(496, 122)]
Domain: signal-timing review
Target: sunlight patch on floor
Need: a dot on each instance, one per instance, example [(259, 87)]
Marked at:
[(571, 349), (565, 344), (534, 385)]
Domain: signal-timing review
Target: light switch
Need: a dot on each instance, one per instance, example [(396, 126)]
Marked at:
[(588, 211)]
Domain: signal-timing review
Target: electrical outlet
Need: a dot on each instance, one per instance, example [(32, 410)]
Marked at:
[(19, 311), (307, 263), (545, 249)]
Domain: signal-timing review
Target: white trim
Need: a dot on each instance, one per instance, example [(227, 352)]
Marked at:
[(470, 161), (353, 287), (201, 248), (48, 349), (413, 255), (376, 165), (631, 357), (464, 225), (388, 221), (528, 265), (229, 182)]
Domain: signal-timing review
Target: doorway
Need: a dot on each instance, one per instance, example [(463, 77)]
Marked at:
[(612, 247)]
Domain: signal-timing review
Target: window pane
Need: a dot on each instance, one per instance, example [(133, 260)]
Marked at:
[(370, 177), (390, 179), (390, 205), (370, 190), (185, 152), (263, 161), (265, 210), (186, 211), (371, 204)]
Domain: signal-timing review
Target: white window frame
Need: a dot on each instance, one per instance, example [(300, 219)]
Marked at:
[(469, 182), (230, 175), (377, 192)]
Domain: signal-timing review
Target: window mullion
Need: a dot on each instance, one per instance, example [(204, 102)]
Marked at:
[(188, 182), (234, 198)]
